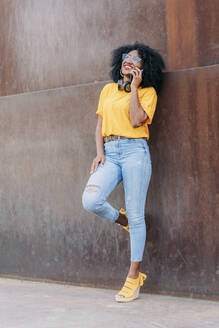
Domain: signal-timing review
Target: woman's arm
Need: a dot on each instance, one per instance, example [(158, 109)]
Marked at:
[(99, 137), (137, 114), (99, 146)]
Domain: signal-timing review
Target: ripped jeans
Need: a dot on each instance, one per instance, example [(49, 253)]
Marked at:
[(128, 160)]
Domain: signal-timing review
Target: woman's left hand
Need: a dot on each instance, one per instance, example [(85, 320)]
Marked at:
[(137, 77)]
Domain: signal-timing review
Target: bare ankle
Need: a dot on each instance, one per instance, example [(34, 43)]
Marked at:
[(122, 219), (133, 275)]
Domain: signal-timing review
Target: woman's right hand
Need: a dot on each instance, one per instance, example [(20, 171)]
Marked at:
[(98, 159)]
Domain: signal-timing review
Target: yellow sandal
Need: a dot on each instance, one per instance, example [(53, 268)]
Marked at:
[(122, 211), (131, 288)]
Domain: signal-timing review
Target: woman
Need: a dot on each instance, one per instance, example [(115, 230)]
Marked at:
[(125, 109)]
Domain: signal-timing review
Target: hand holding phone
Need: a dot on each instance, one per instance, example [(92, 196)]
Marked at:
[(136, 77)]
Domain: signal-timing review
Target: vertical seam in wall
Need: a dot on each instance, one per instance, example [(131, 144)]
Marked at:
[(181, 34)]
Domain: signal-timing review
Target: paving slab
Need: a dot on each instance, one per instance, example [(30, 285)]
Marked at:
[(29, 304)]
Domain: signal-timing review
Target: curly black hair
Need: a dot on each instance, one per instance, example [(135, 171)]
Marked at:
[(153, 64)]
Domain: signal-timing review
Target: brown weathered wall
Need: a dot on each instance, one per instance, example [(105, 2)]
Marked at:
[(47, 142), (183, 199), (53, 43), (192, 33)]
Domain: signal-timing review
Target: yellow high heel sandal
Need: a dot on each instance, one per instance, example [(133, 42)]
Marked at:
[(122, 211), (131, 288)]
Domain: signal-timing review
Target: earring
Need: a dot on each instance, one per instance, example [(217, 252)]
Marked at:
[(121, 72)]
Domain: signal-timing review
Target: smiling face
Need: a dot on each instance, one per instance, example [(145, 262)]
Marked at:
[(128, 65)]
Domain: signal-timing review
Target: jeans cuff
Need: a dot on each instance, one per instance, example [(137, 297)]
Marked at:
[(116, 215)]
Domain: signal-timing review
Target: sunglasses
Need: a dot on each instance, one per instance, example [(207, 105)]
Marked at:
[(134, 59)]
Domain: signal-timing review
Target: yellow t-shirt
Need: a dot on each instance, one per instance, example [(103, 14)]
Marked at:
[(114, 108)]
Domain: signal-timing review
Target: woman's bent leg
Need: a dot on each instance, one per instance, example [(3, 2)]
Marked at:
[(99, 186)]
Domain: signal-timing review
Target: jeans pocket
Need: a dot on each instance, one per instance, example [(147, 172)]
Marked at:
[(109, 147), (142, 143), (146, 146)]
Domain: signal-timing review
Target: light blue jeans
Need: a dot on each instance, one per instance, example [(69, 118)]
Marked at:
[(128, 160)]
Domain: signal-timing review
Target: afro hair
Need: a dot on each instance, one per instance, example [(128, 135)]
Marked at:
[(153, 64)]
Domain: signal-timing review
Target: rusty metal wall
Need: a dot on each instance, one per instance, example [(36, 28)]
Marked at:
[(192, 33), (46, 44), (183, 200), (47, 142), (53, 43)]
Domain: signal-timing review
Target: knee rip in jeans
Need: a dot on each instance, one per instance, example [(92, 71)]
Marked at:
[(92, 187)]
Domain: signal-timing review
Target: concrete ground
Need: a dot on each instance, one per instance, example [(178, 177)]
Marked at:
[(27, 304)]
